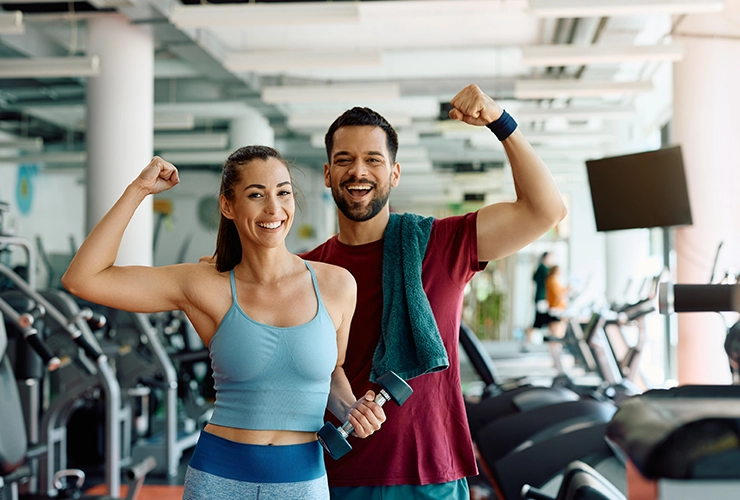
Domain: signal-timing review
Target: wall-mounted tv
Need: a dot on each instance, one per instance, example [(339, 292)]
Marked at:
[(639, 190)]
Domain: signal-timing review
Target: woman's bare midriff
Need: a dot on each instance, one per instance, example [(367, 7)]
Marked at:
[(265, 438)]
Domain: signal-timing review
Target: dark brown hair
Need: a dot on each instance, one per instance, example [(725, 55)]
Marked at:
[(357, 117), (228, 245)]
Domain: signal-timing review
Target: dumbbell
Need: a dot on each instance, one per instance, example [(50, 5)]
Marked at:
[(334, 440)]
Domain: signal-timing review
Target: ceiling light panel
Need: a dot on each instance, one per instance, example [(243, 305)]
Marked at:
[(55, 157), (322, 121), (576, 113), (575, 55), (330, 93), (606, 8), (254, 14), (570, 139), (393, 25), (11, 23), (173, 121), (395, 64), (50, 67), (547, 89), (190, 141), (416, 107), (267, 62), (25, 144), (181, 158), (406, 137)]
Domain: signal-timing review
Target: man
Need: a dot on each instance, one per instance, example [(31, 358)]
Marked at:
[(541, 308), (423, 449)]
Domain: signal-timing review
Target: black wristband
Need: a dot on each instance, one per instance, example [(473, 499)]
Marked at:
[(503, 127)]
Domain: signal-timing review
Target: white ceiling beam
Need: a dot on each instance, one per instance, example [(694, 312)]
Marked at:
[(11, 23), (50, 67), (412, 154), (266, 62), (190, 141), (317, 140), (172, 120), (555, 154), (179, 158), (56, 157), (322, 121), (331, 93), (606, 8), (406, 137), (24, 143), (113, 4), (577, 55), (415, 166), (550, 89), (570, 139), (576, 113), (261, 14)]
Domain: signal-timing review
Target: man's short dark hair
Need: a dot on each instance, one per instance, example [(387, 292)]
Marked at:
[(358, 117)]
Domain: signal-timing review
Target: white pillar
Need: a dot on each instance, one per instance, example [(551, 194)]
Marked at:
[(706, 107), (251, 129), (625, 253), (120, 114)]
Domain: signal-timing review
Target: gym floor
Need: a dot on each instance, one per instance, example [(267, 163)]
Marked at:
[(155, 487), (536, 365)]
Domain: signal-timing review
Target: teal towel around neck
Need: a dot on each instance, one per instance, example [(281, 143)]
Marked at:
[(410, 343)]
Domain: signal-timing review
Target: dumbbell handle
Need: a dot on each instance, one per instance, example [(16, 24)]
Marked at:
[(380, 399)]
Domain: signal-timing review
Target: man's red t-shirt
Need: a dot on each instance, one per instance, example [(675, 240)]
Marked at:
[(426, 440)]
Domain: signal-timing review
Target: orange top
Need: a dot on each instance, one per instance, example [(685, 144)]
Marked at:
[(555, 293)]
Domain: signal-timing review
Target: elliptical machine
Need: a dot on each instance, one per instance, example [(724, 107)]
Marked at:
[(33, 442), (684, 442), (16, 459)]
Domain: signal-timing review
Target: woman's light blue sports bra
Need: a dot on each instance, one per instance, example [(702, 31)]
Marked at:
[(269, 377)]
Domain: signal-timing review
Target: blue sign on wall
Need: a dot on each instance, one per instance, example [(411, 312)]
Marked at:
[(24, 187)]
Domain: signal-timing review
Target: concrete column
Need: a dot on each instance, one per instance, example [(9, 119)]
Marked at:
[(706, 107), (251, 129), (625, 252), (120, 115)]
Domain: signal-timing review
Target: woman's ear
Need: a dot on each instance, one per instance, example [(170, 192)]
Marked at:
[(225, 207)]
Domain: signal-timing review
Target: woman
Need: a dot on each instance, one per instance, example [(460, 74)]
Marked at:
[(557, 300), (276, 327), (555, 292)]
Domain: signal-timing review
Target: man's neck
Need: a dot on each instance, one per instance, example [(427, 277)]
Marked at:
[(359, 233)]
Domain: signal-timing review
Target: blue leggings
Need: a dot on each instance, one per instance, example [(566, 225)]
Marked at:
[(221, 468)]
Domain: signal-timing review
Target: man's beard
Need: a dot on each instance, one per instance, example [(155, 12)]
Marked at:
[(357, 212)]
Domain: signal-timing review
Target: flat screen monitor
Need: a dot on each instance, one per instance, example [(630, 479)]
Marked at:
[(639, 190)]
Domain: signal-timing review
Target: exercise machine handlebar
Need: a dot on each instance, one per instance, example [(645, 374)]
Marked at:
[(56, 316), (698, 298), (25, 322)]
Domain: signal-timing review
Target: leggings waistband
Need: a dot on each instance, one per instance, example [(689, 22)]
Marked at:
[(258, 463)]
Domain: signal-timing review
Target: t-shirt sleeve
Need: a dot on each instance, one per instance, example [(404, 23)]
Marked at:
[(315, 254), (455, 239)]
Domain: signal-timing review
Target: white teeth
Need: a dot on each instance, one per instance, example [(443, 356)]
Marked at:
[(363, 187), (269, 225)]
